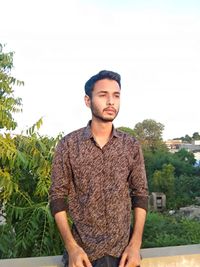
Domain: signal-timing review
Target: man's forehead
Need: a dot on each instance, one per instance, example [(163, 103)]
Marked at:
[(106, 85)]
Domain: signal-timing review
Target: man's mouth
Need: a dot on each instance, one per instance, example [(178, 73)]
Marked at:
[(110, 110)]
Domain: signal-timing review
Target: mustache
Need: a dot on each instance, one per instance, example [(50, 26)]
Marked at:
[(110, 108)]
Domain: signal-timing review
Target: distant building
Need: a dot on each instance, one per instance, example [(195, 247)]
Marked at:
[(157, 201), (196, 142), (173, 145), (176, 145), (190, 147)]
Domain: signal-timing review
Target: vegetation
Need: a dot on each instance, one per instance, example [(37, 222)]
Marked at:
[(173, 174), (25, 180), (8, 103), (149, 134), (162, 230), (25, 164), (189, 139)]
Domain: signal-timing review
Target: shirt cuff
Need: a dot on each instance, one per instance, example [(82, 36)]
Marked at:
[(58, 205), (140, 202)]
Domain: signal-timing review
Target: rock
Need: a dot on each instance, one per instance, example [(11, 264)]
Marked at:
[(171, 212), (192, 212)]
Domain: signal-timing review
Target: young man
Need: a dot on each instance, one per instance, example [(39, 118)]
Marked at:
[(98, 176)]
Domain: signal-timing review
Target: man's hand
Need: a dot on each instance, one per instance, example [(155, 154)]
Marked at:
[(78, 258), (130, 257)]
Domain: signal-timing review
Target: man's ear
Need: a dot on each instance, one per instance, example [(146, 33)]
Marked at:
[(87, 101)]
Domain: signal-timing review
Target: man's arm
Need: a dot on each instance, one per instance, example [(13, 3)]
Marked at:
[(131, 255), (139, 197), (77, 256), (60, 187)]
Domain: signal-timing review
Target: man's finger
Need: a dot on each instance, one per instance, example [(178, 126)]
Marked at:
[(123, 260), (87, 262)]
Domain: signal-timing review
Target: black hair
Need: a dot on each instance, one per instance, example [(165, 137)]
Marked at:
[(104, 74)]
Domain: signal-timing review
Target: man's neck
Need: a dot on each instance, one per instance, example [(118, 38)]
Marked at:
[(101, 131)]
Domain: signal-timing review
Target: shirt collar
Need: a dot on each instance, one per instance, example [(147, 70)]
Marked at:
[(87, 134)]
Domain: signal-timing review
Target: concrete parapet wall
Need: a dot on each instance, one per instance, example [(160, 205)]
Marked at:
[(51, 261), (179, 256)]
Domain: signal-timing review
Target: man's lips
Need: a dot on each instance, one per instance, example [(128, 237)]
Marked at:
[(110, 110)]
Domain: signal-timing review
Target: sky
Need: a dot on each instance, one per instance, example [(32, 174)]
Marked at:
[(60, 44)]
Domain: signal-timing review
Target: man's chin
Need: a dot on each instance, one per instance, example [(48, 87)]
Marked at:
[(104, 118), (108, 119)]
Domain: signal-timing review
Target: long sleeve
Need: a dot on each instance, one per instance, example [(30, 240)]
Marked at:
[(61, 177), (137, 180)]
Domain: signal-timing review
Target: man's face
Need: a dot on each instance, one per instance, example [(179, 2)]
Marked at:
[(105, 100)]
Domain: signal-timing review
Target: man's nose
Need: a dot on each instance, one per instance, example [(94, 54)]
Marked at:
[(110, 100)]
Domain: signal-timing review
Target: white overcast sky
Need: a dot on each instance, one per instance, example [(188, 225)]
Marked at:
[(59, 44)]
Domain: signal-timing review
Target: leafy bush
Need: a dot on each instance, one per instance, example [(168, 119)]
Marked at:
[(30, 229), (164, 230)]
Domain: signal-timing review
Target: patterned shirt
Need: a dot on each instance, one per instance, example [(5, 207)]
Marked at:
[(97, 187)]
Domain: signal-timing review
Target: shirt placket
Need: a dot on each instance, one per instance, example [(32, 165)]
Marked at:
[(104, 182)]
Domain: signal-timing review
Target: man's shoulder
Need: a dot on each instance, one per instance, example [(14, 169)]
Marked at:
[(130, 142), (72, 137), (74, 134), (125, 136)]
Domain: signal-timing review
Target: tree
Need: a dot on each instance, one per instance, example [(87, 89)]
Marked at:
[(164, 181), (187, 188), (30, 229), (196, 136), (187, 138), (183, 161), (149, 133), (186, 156), (127, 130), (25, 164), (154, 160), (9, 104)]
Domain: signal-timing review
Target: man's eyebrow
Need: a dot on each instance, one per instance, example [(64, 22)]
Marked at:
[(102, 91)]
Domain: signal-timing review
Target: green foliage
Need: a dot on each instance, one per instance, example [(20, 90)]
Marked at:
[(173, 174), (181, 166), (25, 182), (189, 139), (25, 165), (186, 176), (32, 232), (154, 160), (149, 134), (9, 104), (170, 173), (163, 230), (187, 188), (127, 130), (196, 136), (164, 181), (186, 156)]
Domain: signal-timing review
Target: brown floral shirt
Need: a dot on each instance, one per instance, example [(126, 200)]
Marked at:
[(98, 187)]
